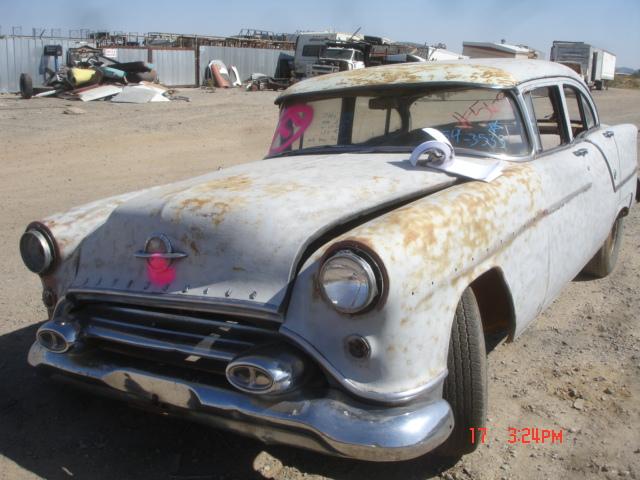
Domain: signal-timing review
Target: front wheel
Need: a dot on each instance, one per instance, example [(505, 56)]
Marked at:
[(604, 261), (465, 388)]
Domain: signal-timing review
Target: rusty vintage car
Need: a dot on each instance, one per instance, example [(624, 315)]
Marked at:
[(335, 295)]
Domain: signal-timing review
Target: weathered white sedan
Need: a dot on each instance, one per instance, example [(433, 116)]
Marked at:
[(337, 296)]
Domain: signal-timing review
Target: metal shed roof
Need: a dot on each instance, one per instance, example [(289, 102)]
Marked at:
[(494, 72)]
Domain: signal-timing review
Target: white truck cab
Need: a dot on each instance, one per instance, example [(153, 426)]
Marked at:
[(311, 46), (337, 59)]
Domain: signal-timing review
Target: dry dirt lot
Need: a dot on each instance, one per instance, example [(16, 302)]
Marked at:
[(577, 368)]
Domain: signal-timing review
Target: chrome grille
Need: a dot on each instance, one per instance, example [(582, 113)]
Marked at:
[(194, 339)]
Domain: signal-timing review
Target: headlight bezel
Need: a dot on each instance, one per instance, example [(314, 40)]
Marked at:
[(370, 262), (45, 241)]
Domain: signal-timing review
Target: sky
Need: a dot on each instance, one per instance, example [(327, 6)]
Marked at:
[(610, 24)]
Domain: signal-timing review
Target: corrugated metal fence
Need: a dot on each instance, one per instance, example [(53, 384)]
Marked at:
[(131, 55), (24, 55), (176, 67), (247, 60)]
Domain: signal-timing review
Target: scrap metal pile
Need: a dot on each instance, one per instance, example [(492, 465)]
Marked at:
[(88, 75), (217, 74)]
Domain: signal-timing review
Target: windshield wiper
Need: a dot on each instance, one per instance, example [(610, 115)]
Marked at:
[(344, 149), (314, 150)]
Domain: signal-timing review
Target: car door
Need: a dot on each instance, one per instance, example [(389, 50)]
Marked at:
[(602, 137), (613, 143), (603, 162), (573, 177)]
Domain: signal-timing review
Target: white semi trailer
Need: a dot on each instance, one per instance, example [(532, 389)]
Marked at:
[(596, 65)]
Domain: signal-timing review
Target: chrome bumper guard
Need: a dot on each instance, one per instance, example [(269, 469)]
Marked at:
[(334, 424)]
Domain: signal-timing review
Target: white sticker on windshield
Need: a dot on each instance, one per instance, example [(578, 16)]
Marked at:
[(441, 156)]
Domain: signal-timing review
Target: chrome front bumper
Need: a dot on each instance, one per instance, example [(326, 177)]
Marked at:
[(334, 424)]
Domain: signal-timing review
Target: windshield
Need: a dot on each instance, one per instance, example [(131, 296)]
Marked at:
[(477, 120), (338, 53)]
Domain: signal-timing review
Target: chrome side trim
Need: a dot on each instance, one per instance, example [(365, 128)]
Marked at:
[(331, 424), (626, 179), (431, 389), (236, 308)]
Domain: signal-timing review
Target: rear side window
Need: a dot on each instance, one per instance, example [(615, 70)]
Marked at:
[(574, 109), (588, 113), (545, 112), (581, 116)]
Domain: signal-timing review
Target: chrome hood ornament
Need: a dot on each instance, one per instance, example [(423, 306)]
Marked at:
[(158, 245)]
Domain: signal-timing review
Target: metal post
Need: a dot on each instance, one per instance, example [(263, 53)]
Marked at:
[(197, 62)]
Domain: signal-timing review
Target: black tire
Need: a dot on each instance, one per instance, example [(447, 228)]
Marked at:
[(150, 76), (604, 261), (26, 86), (465, 388)]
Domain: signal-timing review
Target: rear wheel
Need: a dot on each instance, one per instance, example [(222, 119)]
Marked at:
[(465, 388), (604, 261)]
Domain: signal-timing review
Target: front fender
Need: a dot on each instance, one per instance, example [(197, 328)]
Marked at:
[(432, 250)]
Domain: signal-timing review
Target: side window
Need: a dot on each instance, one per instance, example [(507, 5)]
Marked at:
[(588, 113), (574, 109), (580, 114), (545, 113)]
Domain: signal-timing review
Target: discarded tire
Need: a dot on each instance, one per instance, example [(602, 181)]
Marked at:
[(150, 76), (26, 85)]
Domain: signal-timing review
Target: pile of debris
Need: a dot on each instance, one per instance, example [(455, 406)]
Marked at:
[(218, 75), (88, 75)]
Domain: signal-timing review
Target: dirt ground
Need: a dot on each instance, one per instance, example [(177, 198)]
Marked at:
[(576, 369)]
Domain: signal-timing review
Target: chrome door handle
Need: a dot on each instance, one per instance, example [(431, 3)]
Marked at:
[(581, 152), (608, 134)]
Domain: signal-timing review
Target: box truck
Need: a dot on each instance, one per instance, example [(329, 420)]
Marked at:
[(595, 65)]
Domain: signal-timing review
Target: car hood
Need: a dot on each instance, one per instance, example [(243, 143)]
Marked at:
[(244, 229)]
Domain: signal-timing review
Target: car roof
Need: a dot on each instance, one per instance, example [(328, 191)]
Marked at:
[(487, 72)]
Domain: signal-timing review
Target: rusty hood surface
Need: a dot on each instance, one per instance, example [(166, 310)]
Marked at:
[(244, 229)]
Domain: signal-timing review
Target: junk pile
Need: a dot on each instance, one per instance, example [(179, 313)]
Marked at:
[(218, 75), (88, 76)]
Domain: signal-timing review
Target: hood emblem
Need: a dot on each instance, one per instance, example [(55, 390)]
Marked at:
[(158, 245)]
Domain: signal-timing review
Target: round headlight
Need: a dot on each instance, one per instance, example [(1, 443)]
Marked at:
[(348, 282), (36, 251)]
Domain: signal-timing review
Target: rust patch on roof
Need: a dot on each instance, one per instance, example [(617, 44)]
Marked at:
[(471, 72)]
